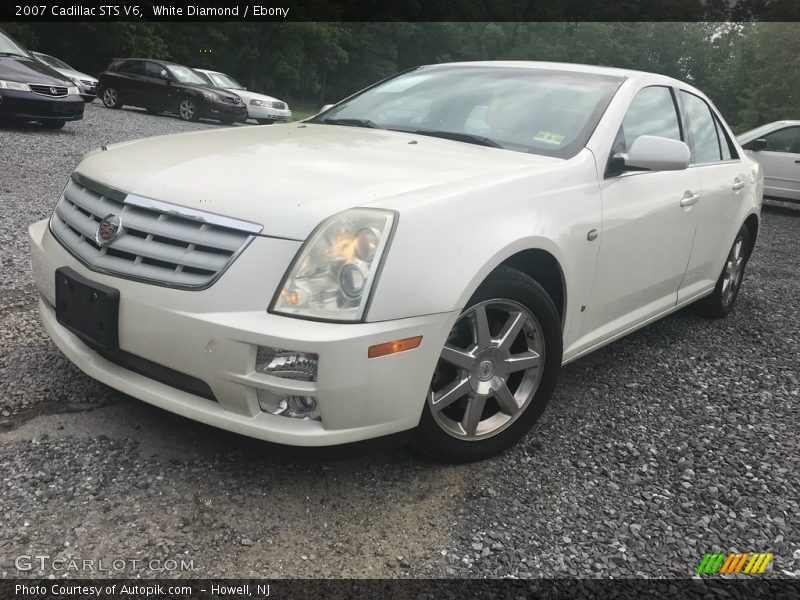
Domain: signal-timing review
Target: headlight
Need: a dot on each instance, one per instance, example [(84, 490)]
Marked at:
[(258, 103), (13, 85), (72, 90), (335, 270), (210, 96)]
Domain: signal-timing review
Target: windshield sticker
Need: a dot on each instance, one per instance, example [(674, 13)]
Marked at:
[(548, 137)]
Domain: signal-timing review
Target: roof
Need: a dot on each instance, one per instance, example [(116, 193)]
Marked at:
[(559, 66)]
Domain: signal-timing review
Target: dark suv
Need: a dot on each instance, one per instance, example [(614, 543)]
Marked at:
[(161, 86), (32, 91)]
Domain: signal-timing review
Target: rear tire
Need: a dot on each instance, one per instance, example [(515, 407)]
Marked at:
[(54, 125), (723, 298), (111, 98), (490, 388)]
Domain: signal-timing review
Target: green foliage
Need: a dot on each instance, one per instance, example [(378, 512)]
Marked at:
[(751, 71)]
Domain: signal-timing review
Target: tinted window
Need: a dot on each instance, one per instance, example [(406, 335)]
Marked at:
[(702, 128), (652, 112), (153, 69), (784, 140), (132, 67)]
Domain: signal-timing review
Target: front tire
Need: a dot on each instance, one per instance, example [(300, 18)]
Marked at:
[(111, 98), (497, 371), (723, 298), (187, 109)]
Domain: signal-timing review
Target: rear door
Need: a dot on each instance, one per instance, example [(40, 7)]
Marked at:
[(781, 163), (129, 77), (724, 187), (157, 85)]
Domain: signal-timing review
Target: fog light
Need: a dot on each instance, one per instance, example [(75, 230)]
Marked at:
[(286, 363), (285, 405)]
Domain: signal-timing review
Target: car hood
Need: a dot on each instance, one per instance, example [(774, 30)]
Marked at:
[(76, 74), (290, 177), (27, 70), (247, 95)]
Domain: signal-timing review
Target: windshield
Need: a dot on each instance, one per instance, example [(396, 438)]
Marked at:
[(224, 81), (540, 111), (185, 74), (9, 46), (52, 61)]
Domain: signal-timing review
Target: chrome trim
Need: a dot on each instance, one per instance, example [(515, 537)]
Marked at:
[(64, 87), (192, 214), (166, 207)]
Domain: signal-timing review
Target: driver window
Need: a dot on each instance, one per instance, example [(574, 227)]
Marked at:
[(652, 112), (154, 70)]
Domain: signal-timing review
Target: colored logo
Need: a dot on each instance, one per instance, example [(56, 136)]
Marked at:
[(108, 230), (721, 563)]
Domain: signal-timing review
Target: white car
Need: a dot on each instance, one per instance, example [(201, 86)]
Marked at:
[(776, 146), (423, 256), (87, 85), (260, 107)]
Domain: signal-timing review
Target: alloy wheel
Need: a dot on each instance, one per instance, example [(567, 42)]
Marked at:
[(110, 97), (734, 269), (489, 370), (186, 109)]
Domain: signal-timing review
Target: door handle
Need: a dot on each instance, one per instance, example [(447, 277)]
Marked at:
[(689, 199), (737, 185)]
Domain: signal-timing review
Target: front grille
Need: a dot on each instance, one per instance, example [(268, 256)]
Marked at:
[(279, 105), (158, 243), (54, 91), (159, 373)]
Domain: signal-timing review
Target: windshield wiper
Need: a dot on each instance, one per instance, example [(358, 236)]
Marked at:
[(469, 138), (13, 54), (352, 123)]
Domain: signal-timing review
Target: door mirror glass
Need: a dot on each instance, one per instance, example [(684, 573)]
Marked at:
[(653, 153), (757, 145)]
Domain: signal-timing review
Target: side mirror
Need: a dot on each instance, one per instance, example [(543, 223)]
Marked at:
[(652, 153), (326, 107), (756, 145)]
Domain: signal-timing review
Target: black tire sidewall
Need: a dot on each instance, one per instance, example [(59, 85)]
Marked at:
[(713, 306), (509, 284)]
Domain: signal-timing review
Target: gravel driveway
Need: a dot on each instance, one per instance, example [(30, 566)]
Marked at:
[(678, 440)]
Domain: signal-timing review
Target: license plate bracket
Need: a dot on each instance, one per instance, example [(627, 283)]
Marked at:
[(88, 309)]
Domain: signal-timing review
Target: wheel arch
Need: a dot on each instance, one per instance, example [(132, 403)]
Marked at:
[(540, 263), (752, 224)]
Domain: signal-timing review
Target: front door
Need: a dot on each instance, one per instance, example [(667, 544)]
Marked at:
[(781, 163), (648, 227)]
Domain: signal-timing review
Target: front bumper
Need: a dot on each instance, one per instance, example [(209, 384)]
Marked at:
[(266, 112), (16, 104), (223, 110), (212, 335)]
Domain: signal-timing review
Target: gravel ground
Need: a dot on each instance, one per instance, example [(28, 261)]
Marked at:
[(680, 439)]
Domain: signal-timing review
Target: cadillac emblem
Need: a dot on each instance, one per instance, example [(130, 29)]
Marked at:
[(108, 230)]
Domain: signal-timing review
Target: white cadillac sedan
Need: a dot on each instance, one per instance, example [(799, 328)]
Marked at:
[(423, 256)]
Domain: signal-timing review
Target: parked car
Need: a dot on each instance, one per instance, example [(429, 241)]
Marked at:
[(776, 147), (424, 255), (261, 108), (87, 85), (161, 86), (32, 91)]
